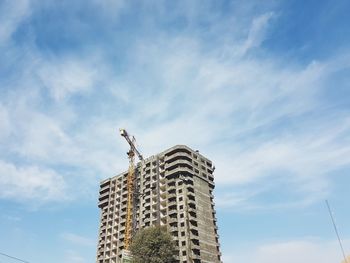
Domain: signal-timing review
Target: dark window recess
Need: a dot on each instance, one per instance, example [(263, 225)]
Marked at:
[(196, 242)]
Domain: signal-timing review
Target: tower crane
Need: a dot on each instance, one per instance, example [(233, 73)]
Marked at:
[(130, 185)]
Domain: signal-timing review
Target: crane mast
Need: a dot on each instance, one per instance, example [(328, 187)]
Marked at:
[(130, 185)]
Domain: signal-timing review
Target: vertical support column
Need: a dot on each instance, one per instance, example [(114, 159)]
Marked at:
[(136, 199), (130, 187), (187, 219), (158, 193)]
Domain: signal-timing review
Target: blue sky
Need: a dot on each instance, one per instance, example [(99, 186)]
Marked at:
[(259, 87)]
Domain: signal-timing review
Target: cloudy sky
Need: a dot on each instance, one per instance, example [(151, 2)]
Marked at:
[(259, 87)]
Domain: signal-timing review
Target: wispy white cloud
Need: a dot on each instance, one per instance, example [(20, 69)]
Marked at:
[(45, 142), (303, 154), (12, 218), (185, 72), (111, 7), (78, 240), (64, 77), (72, 256), (5, 127), (303, 251), (177, 90), (12, 14), (212, 102), (304, 161), (30, 183), (257, 32)]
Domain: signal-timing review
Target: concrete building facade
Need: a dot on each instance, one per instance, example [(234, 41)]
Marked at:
[(347, 260), (174, 189)]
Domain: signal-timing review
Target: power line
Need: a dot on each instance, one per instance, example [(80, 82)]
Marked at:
[(336, 231), (18, 259)]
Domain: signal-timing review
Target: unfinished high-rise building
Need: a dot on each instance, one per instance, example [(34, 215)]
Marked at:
[(174, 189)]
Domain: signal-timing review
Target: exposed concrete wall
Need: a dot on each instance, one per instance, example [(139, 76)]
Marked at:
[(347, 260), (206, 223)]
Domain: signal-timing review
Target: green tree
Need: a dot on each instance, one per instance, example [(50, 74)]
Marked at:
[(153, 245)]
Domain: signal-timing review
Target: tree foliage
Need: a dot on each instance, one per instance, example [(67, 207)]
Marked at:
[(153, 245)]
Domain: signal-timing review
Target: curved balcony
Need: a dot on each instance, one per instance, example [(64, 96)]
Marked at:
[(194, 228), (195, 256), (174, 229), (172, 212), (104, 189), (105, 183), (178, 149), (178, 162), (172, 220), (178, 156), (103, 203), (172, 202), (194, 246), (172, 187), (171, 195), (191, 202), (103, 196), (181, 169)]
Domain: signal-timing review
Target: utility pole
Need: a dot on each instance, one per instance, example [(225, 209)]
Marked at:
[(336, 231)]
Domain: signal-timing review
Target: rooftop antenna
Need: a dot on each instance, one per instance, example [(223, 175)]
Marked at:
[(336, 231)]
